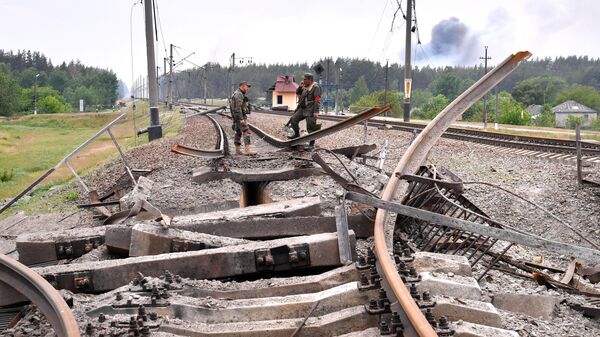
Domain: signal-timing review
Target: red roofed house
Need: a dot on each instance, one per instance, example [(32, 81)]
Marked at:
[(284, 92)]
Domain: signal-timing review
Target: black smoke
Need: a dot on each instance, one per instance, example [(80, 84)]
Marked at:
[(452, 42)]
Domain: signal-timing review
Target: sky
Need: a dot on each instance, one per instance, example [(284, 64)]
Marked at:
[(277, 31)]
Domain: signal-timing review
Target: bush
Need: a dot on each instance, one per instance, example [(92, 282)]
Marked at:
[(595, 125), (51, 104), (6, 175), (572, 121)]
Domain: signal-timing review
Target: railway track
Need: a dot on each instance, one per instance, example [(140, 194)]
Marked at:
[(298, 280), (528, 145)]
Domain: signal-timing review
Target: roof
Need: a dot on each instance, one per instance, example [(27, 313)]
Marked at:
[(285, 83), (535, 109), (572, 107)]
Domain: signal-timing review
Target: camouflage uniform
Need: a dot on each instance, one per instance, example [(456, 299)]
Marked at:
[(309, 105), (239, 111)]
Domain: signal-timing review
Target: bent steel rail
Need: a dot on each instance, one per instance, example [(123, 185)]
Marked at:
[(221, 147), (41, 293), (414, 322), (346, 123)]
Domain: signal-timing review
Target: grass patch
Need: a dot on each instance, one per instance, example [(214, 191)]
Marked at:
[(31, 145)]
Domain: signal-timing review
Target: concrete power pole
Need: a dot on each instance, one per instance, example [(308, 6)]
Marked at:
[(407, 66), (385, 100), (170, 90), (164, 79), (485, 110), (155, 129)]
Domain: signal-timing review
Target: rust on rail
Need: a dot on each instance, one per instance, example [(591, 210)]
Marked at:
[(415, 321)]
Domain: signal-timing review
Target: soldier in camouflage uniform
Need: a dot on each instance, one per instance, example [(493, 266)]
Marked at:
[(309, 104), (240, 108)]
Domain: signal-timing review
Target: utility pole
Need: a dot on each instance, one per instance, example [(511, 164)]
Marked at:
[(337, 88), (155, 129), (385, 92), (35, 95), (485, 58), (496, 123), (204, 80), (407, 66), (327, 86), (164, 79), (170, 90)]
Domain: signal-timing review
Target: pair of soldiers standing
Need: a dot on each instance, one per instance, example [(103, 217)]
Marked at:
[(309, 104)]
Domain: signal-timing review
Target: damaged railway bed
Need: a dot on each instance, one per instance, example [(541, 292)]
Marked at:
[(375, 232)]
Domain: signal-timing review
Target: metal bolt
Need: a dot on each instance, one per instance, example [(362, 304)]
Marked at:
[(362, 261), (89, 329), (119, 296), (384, 329), (426, 296), (260, 260), (430, 318), (396, 325), (364, 281), (141, 310), (69, 250), (168, 276), (414, 292), (444, 323), (293, 256), (373, 304), (413, 272), (303, 256), (101, 318), (153, 316)]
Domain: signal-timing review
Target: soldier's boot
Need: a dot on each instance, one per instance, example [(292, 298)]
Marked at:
[(238, 149), (248, 150)]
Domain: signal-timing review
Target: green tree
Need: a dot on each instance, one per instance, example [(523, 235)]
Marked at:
[(89, 97), (585, 95), (420, 97), (546, 118), (538, 90), (359, 90), (58, 80), (572, 121), (51, 104), (27, 78), (510, 111), (434, 106), (448, 85), (378, 98), (10, 94)]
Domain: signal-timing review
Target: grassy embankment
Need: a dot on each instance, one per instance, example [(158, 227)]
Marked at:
[(31, 145)]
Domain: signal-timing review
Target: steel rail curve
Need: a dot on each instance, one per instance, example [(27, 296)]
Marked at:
[(346, 123), (414, 321), (221, 146), (41, 293)]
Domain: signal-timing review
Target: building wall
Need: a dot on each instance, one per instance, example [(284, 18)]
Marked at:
[(561, 118), (289, 99)]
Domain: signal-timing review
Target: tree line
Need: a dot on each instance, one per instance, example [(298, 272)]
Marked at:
[(28, 78), (545, 81)]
